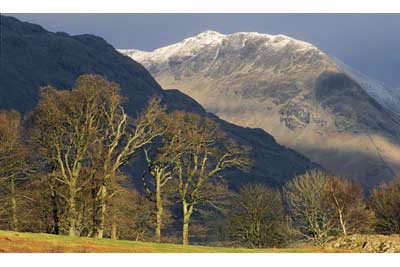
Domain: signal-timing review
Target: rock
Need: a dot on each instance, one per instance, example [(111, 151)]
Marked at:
[(368, 243)]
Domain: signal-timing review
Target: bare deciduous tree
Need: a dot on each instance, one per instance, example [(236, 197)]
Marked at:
[(86, 136), (12, 163), (312, 215), (161, 172), (347, 199), (385, 201), (134, 215), (65, 125), (322, 206), (120, 141), (257, 217), (199, 152)]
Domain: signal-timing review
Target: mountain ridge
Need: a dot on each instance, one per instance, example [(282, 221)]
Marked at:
[(289, 88)]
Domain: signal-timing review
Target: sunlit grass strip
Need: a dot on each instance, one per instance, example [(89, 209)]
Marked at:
[(30, 242)]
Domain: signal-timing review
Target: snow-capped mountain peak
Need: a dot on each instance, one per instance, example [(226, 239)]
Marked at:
[(207, 37), (192, 45), (293, 90)]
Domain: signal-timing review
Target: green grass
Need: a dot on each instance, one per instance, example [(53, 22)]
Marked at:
[(32, 242)]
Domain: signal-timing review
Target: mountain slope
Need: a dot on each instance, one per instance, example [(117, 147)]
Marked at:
[(386, 96), (289, 88), (32, 57)]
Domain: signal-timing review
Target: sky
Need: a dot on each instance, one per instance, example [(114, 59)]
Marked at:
[(367, 42)]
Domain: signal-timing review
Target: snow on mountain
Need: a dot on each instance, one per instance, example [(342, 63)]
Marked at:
[(185, 48), (308, 101), (189, 47)]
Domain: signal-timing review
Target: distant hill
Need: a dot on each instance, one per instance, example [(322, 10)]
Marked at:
[(291, 89), (32, 57)]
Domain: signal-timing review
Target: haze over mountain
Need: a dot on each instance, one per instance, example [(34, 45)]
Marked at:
[(292, 90), (32, 57)]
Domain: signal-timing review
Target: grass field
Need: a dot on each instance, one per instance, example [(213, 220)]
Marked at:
[(29, 242)]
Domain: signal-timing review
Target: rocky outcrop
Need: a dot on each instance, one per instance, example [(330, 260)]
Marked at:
[(367, 243)]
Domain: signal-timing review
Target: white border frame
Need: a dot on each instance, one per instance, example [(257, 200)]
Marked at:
[(199, 6)]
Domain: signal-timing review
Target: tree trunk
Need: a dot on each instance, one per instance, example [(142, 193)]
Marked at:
[(56, 219), (159, 206), (103, 200), (342, 223), (114, 230), (114, 222), (72, 215), (13, 202), (94, 190), (187, 211)]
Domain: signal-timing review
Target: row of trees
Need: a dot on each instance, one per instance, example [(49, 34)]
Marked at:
[(64, 169), (192, 153), (79, 140), (316, 207), (82, 138), (322, 206)]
